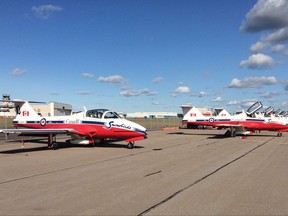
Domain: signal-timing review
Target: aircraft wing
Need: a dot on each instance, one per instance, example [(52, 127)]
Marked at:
[(283, 130), (37, 131)]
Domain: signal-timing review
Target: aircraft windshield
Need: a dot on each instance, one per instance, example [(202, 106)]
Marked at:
[(102, 113), (268, 111), (113, 115), (96, 113)]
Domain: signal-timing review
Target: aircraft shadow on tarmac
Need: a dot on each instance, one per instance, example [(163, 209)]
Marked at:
[(210, 136), (61, 145), (219, 136)]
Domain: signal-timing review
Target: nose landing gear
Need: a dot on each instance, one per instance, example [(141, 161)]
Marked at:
[(130, 145)]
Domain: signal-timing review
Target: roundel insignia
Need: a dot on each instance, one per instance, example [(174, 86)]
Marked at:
[(43, 122), (211, 120)]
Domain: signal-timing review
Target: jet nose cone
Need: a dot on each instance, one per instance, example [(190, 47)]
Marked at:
[(138, 128), (141, 129)]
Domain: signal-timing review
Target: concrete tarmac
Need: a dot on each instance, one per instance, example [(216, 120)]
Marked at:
[(179, 172)]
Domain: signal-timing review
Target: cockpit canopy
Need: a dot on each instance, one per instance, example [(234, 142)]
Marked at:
[(254, 108), (102, 113)]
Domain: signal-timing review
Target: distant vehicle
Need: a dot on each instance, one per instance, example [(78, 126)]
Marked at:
[(85, 127), (242, 123)]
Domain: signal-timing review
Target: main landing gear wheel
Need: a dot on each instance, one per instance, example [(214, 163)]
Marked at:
[(279, 134), (55, 146), (130, 145)]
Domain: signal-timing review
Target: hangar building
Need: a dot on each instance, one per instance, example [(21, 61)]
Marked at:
[(47, 109), (152, 115), (53, 109)]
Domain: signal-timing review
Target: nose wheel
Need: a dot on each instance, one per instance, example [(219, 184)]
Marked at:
[(130, 145)]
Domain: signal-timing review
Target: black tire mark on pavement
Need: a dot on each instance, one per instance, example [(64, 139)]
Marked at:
[(201, 179)]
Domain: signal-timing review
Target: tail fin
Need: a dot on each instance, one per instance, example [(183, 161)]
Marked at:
[(185, 109), (191, 113), (24, 109), (224, 113)]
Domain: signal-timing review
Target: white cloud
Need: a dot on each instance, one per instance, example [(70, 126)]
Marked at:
[(257, 47), (233, 103), (135, 93), (253, 82), (268, 94), (182, 89), (129, 93), (278, 36), (202, 94), (157, 79), (277, 48), (45, 11), (217, 99), (87, 75), (148, 92), (270, 16), (258, 61), (111, 79), (244, 104), (17, 72), (266, 15), (248, 103), (84, 93), (235, 83), (173, 94)]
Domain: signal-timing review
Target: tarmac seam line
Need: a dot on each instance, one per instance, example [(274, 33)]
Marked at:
[(201, 179), (89, 164), (83, 165)]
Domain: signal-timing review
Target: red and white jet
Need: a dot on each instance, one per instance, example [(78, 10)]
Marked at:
[(86, 127), (240, 124)]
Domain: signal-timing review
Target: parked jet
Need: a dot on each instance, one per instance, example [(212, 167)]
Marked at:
[(240, 124), (85, 127)]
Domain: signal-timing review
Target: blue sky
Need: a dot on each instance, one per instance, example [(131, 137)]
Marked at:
[(145, 55)]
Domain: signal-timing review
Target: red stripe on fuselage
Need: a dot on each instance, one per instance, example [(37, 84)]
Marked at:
[(253, 125), (89, 130)]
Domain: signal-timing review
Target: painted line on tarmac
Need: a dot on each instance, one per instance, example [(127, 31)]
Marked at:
[(93, 163), (201, 179)]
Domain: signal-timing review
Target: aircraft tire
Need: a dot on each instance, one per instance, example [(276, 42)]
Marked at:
[(130, 145), (55, 146), (279, 134), (227, 133)]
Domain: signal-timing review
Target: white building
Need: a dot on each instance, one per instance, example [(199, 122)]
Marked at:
[(152, 115), (47, 109), (53, 109), (6, 107)]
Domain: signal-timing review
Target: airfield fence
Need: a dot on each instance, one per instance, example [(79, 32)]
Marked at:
[(6, 123), (149, 123), (158, 123)]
